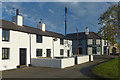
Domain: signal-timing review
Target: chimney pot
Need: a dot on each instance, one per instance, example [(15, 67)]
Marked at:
[(41, 26), (17, 11), (86, 30)]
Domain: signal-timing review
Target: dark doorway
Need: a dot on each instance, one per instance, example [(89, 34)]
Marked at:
[(114, 50), (22, 56), (105, 50), (80, 50), (68, 52), (48, 53), (75, 59)]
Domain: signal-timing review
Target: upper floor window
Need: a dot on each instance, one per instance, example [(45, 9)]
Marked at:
[(61, 41), (39, 52), (5, 53), (61, 51), (80, 42), (38, 38), (5, 35), (94, 42)]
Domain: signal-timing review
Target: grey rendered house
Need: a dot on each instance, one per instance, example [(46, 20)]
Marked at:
[(89, 43)]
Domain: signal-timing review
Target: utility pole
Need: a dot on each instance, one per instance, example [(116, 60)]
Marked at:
[(77, 40), (65, 21)]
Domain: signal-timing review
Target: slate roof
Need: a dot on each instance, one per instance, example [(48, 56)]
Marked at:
[(27, 29), (83, 36)]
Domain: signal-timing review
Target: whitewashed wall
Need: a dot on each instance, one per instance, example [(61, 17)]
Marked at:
[(105, 45), (48, 44), (54, 63), (82, 59), (22, 40), (67, 62), (17, 40)]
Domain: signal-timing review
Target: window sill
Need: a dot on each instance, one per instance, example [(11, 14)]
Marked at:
[(5, 41), (38, 42), (5, 59)]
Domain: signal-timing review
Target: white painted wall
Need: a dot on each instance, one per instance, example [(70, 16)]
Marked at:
[(67, 62), (22, 40), (108, 46), (17, 40), (18, 20), (82, 59), (48, 43), (54, 63)]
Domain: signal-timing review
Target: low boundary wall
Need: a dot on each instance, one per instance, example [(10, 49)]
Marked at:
[(84, 58), (54, 63)]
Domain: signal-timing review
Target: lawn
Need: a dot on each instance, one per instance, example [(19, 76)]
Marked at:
[(110, 69)]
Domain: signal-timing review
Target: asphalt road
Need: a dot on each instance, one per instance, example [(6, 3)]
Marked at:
[(77, 71)]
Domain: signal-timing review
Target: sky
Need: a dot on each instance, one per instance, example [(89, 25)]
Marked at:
[(79, 14)]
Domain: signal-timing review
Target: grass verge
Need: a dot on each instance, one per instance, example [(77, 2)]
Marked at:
[(110, 69)]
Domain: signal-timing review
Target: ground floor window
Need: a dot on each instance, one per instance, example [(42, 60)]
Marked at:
[(61, 51), (94, 51), (39, 52), (5, 53), (98, 49)]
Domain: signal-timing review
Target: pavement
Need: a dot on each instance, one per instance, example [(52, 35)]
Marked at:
[(77, 71)]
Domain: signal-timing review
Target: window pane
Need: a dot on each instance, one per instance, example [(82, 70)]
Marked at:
[(94, 42), (61, 41), (39, 38), (5, 35), (5, 53), (61, 51), (39, 52)]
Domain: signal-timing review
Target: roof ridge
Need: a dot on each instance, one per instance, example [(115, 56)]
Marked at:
[(97, 35), (33, 27)]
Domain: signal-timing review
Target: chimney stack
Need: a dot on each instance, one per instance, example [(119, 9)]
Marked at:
[(86, 30), (17, 19), (41, 26), (65, 21)]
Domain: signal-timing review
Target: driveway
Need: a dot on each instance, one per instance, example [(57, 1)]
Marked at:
[(77, 71)]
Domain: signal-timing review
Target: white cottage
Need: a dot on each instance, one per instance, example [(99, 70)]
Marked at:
[(19, 43)]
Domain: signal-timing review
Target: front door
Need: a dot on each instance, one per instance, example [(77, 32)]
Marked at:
[(48, 53), (22, 56), (105, 50), (68, 52), (80, 50)]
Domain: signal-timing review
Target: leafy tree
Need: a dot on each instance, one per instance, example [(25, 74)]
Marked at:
[(109, 21)]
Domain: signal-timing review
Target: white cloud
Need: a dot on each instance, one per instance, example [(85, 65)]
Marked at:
[(51, 11)]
